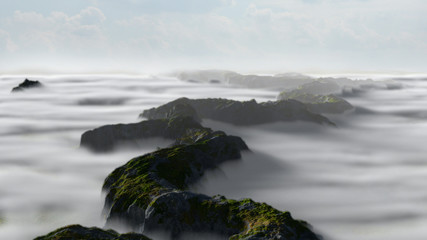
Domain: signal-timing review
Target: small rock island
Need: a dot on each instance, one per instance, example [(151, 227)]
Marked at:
[(27, 84)]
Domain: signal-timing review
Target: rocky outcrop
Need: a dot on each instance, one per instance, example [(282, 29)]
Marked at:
[(179, 120), (107, 138), (318, 98), (318, 103), (243, 219), (149, 194), (323, 87), (143, 178), (77, 232), (241, 113), (282, 81), (27, 84)]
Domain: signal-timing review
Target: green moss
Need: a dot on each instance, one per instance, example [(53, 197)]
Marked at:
[(79, 232), (303, 97), (142, 181), (138, 180)]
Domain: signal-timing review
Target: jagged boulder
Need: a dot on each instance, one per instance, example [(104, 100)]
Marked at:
[(77, 232), (241, 113), (149, 194), (135, 184), (107, 138), (27, 84), (179, 212)]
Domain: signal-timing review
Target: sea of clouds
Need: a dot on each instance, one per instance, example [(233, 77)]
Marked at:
[(365, 179)]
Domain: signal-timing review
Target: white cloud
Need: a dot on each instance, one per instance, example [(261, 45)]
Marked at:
[(90, 16), (57, 32), (362, 32), (6, 43)]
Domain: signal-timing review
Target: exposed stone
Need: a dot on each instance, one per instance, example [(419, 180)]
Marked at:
[(77, 232), (241, 113), (109, 137), (26, 85), (149, 194)]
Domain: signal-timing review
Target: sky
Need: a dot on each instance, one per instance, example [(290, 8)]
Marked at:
[(245, 35)]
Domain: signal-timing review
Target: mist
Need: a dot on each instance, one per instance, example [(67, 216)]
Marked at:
[(364, 179)]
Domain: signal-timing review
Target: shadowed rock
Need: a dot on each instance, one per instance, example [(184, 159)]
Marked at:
[(183, 130), (27, 84), (77, 232), (287, 80), (241, 113), (149, 194)]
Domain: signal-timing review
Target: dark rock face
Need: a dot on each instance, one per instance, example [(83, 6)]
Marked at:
[(178, 212), (26, 85), (107, 138), (76, 232), (241, 113), (148, 194), (287, 80), (135, 184)]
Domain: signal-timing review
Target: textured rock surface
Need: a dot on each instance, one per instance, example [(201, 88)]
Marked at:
[(241, 113), (135, 184), (318, 103), (178, 212), (148, 194), (26, 85), (77, 232), (318, 97), (107, 138)]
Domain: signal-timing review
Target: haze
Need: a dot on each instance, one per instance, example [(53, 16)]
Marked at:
[(134, 36)]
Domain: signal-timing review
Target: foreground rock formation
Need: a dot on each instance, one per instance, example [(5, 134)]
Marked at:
[(149, 194), (77, 232), (27, 84), (241, 113)]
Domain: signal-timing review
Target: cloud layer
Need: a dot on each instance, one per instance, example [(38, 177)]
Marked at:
[(281, 35)]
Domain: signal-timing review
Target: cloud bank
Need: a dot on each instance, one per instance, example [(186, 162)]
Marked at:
[(142, 34)]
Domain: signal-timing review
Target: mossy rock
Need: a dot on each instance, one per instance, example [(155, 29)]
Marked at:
[(77, 232), (149, 194), (179, 212), (241, 113), (135, 184), (318, 103)]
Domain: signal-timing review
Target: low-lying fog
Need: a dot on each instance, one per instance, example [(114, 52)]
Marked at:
[(365, 179)]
